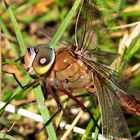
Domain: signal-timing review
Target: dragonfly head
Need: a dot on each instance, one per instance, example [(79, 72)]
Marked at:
[(39, 60)]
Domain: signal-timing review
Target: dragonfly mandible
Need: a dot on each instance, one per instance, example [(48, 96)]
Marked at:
[(74, 67)]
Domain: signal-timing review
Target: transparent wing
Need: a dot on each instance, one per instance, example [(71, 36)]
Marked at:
[(113, 121), (114, 125), (94, 20), (102, 56), (48, 35)]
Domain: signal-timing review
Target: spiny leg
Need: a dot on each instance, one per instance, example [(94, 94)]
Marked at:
[(14, 75), (24, 88), (57, 101), (28, 85), (44, 89), (85, 109), (47, 86), (25, 103), (6, 70), (34, 100)]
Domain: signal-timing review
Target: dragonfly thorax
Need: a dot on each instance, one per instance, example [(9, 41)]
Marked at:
[(39, 60), (70, 71)]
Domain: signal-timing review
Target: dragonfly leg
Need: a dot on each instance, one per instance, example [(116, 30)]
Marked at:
[(20, 58), (26, 102), (57, 101), (45, 91), (85, 109), (14, 75), (28, 85), (46, 87)]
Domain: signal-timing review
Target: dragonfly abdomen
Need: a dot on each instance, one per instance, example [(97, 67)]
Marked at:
[(129, 102)]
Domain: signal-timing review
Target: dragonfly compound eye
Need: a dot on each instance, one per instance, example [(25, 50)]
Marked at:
[(43, 60)]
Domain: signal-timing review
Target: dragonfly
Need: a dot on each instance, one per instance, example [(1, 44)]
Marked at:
[(74, 67)]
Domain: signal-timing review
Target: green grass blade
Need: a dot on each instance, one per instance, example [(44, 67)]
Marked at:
[(64, 24), (6, 137), (3, 27), (134, 48), (88, 130), (44, 112), (97, 130), (91, 126), (16, 29)]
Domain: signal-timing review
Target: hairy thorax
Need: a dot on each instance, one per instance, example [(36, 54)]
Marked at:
[(71, 71)]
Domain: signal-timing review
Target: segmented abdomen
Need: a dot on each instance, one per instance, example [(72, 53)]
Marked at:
[(129, 102)]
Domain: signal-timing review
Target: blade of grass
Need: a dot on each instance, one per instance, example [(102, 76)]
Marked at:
[(91, 125), (133, 44), (64, 24), (131, 52), (44, 112), (3, 27), (88, 130), (97, 130), (20, 9), (16, 29), (6, 136), (52, 15)]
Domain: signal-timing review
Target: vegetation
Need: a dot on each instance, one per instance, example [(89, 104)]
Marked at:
[(22, 25)]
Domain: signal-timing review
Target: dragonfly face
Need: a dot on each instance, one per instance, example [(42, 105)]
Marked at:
[(39, 60)]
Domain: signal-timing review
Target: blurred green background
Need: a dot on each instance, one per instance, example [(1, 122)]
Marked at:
[(36, 16)]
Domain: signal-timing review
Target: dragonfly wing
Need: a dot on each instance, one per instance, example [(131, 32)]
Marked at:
[(94, 21), (114, 124), (64, 42), (113, 121)]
